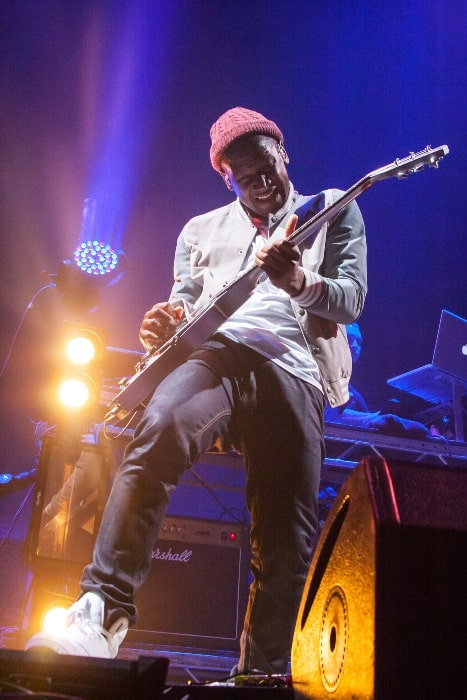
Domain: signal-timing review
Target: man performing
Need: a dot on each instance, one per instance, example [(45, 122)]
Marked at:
[(259, 384)]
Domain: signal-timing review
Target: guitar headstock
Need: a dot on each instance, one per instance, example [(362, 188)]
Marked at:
[(413, 163)]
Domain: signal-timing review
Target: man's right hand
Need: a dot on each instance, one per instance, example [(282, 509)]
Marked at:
[(159, 324)]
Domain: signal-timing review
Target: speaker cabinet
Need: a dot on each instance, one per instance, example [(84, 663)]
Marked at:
[(197, 589), (73, 480), (384, 613)]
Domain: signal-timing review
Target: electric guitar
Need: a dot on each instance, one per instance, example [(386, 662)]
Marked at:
[(156, 364)]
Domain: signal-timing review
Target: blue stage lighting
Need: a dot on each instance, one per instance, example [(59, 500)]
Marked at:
[(96, 257)]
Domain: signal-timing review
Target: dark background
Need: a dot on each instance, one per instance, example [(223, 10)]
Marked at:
[(115, 100)]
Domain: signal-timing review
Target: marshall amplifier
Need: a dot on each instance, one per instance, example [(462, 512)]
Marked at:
[(197, 589)]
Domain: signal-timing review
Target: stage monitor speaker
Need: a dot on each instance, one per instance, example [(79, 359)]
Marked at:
[(384, 612), (197, 589), (48, 675)]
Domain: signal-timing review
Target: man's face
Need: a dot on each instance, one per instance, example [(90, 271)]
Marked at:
[(255, 170)]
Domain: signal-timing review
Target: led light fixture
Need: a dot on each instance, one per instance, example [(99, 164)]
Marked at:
[(96, 258)]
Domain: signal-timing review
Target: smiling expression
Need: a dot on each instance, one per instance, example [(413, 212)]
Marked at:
[(254, 168)]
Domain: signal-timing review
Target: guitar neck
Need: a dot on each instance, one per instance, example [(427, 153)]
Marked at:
[(400, 168), (330, 211)]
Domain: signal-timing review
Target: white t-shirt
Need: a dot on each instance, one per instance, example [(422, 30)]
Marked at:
[(266, 323)]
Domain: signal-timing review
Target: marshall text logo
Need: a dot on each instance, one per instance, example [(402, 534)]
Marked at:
[(169, 555)]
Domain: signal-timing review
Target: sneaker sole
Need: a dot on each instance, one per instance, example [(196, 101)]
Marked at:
[(67, 648)]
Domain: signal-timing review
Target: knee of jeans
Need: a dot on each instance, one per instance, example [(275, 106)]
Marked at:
[(154, 428), (160, 449)]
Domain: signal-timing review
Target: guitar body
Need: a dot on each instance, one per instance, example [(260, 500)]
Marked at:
[(156, 365)]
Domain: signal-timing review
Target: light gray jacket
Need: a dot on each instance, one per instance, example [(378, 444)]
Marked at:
[(211, 251)]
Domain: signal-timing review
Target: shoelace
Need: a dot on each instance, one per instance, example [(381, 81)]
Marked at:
[(94, 630), (82, 620)]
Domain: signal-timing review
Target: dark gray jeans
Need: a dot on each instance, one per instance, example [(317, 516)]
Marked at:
[(228, 392)]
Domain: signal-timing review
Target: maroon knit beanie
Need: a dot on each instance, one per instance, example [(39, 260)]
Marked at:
[(238, 122)]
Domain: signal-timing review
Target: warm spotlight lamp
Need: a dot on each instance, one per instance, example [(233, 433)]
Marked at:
[(77, 391), (53, 617), (83, 346), (79, 356)]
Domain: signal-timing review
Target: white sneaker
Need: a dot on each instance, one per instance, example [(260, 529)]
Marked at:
[(84, 634)]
